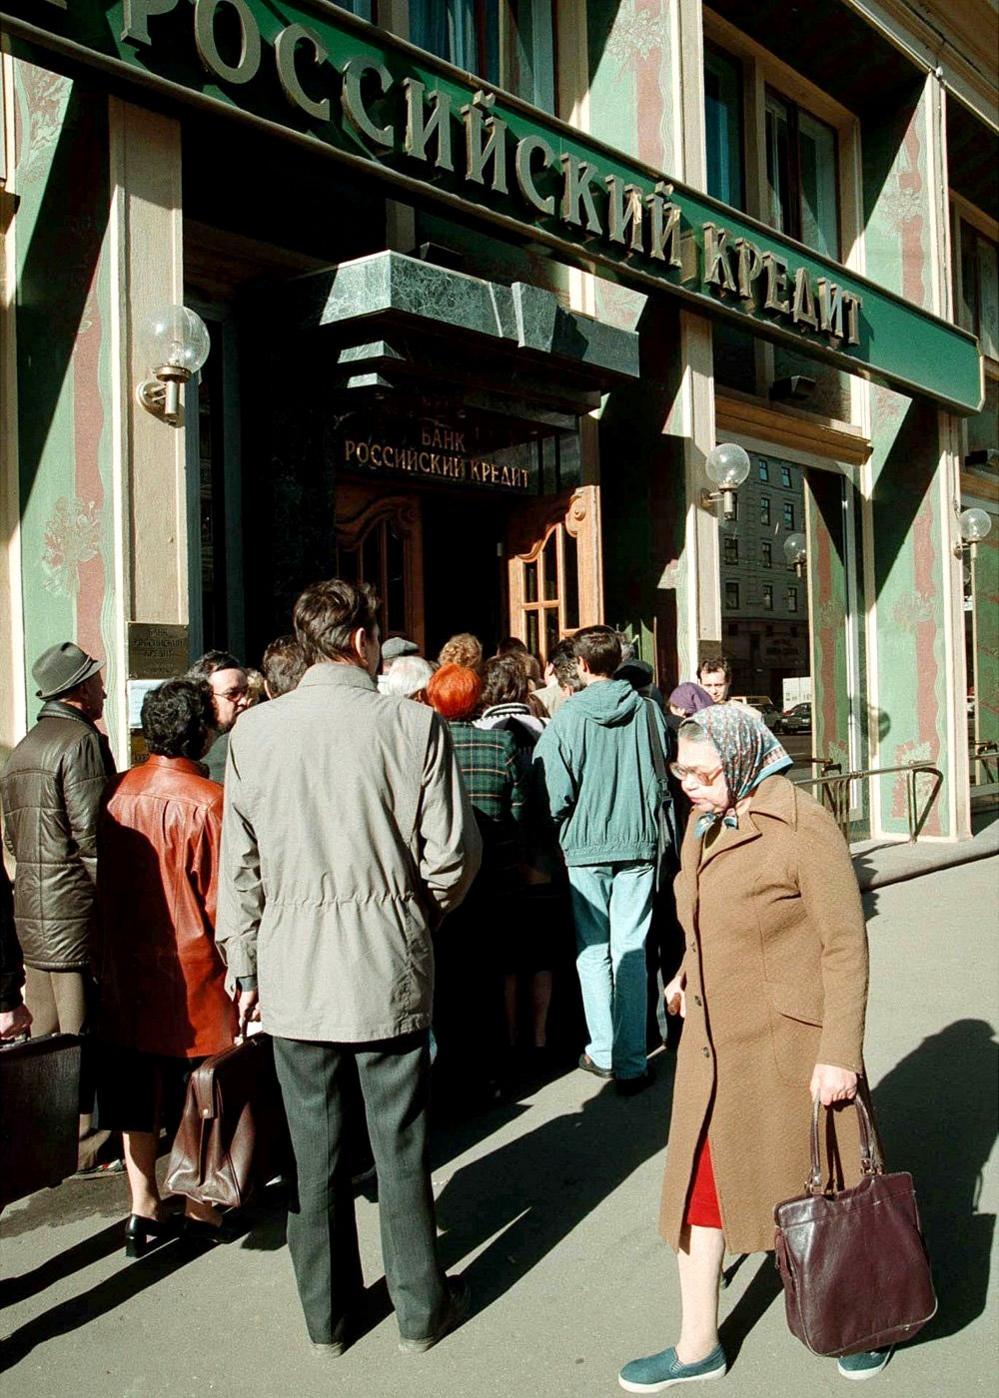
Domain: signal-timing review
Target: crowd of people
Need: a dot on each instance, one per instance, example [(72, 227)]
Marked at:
[(383, 859)]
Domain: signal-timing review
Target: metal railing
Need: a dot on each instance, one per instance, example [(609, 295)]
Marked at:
[(988, 755), (835, 792)]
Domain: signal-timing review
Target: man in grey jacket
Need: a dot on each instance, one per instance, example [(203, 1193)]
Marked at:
[(346, 836)]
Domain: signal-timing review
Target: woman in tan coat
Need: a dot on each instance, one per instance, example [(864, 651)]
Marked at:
[(773, 987)]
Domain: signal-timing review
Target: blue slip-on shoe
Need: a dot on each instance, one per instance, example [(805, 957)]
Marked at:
[(864, 1365), (659, 1371)]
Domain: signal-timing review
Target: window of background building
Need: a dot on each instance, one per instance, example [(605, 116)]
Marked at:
[(792, 599), (732, 596), (512, 45), (785, 477), (764, 470), (802, 175), (764, 509), (788, 515), (731, 550), (723, 126), (766, 554), (364, 9), (978, 293), (768, 597)]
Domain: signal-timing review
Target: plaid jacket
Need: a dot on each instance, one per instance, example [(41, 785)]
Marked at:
[(494, 780)]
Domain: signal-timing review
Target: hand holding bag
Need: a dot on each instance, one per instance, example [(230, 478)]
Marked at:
[(853, 1265), (233, 1136)]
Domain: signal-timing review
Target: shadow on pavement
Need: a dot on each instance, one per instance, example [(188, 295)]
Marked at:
[(522, 1199), (97, 1301), (938, 1117), (64, 1264)]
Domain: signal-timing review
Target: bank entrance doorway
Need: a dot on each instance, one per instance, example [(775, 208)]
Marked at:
[(444, 561)]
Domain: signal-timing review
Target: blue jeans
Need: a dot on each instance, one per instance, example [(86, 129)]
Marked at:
[(612, 909)]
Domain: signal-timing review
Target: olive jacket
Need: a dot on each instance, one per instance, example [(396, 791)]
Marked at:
[(347, 833), (51, 788), (776, 981)]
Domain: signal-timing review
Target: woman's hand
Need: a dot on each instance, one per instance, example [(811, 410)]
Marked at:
[(831, 1084), (675, 996)]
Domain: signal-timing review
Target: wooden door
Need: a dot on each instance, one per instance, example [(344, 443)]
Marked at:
[(379, 540), (554, 571)]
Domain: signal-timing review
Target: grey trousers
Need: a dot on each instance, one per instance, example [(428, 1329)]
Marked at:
[(318, 1081)]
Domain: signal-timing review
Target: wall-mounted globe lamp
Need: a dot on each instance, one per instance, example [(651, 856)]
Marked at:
[(975, 525), (176, 342), (727, 467), (796, 552)]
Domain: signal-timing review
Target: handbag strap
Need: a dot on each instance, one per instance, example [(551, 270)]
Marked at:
[(870, 1155), (658, 756)]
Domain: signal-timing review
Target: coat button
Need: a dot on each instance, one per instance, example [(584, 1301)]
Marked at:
[(692, 946), (697, 999), (706, 1051)]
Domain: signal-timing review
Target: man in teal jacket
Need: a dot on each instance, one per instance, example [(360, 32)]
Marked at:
[(603, 794)]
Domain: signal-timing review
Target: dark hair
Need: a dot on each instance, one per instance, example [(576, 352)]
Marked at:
[(283, 666), (504, 680), (512, 645), (328, 613), (562, 659), (600, 647), (715, 662), (178, 718), (213, 660)]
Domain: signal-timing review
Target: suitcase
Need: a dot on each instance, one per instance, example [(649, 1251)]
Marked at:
[(39, 1114)]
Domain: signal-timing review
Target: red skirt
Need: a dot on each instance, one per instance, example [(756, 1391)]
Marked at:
[(702, 1202)]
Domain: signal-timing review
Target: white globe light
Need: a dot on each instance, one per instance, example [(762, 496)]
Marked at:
[(727, 466), (975, 525), (795, 548), (177, 338)]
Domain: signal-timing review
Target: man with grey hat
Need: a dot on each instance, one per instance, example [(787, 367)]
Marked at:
[(51, 787)]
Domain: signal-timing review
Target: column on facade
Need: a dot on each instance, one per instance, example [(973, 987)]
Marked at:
[(94, 510), (915, 633), (661, 568)]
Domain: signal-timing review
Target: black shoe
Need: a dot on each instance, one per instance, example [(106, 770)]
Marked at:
[(631, 1087), (461, 1299), (588, 1066), (196, 1230), (143, 1233)]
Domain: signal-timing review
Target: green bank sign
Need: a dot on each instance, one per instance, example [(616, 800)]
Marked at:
[(384, 107)]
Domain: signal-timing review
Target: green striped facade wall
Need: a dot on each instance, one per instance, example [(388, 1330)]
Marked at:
[(647, 584), (986, 603), (908, 527), (64, 366)]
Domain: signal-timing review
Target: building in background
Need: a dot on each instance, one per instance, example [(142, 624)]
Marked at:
[(485, 285)]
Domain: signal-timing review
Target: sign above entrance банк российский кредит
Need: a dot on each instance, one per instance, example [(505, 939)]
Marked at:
[(439, 455), (318, 75)]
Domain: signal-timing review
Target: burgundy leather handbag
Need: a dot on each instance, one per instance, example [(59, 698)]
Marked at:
[(233, 1136), (854, 1266)]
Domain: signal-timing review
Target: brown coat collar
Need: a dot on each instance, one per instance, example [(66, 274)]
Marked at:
[(773, 798)]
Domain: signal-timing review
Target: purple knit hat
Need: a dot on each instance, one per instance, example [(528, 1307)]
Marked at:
[(691, 698)]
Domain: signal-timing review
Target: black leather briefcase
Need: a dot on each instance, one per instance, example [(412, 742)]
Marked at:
[(39, 1114)]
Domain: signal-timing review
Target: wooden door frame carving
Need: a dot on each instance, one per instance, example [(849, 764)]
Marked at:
[(359, 508), (578, 512)]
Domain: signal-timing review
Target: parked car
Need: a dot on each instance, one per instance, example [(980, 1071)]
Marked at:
[(796, 719), (763, 705)]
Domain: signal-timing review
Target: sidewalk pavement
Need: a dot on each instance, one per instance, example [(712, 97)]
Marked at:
[(548, 1204), (879, 863)]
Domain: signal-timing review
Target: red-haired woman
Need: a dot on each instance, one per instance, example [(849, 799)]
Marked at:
[(469, 997)]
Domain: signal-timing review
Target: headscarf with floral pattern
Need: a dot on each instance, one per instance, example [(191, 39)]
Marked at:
[(748, 751)]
